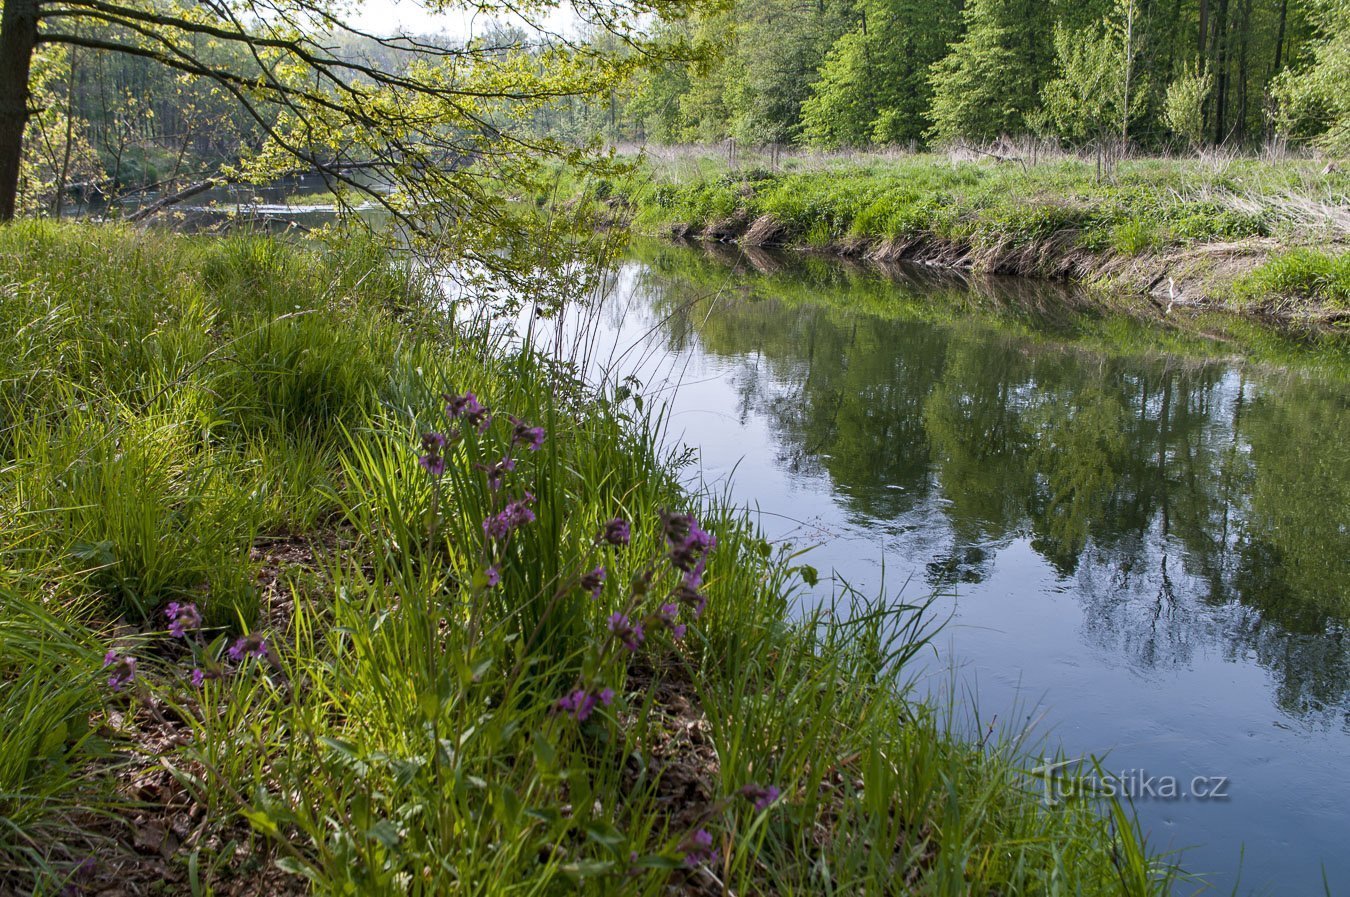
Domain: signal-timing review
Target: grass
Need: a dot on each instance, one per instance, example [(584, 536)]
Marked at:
[(388, 721), (1054, 218)]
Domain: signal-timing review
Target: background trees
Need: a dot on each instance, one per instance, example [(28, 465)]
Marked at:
[(834, 73)]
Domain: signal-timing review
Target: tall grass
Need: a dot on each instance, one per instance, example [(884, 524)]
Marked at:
[(428, 709)]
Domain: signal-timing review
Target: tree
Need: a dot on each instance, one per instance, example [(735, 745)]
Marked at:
[(1314, 99), (989, 81), (874, 85), (1097, 88), (413, 119), (1184, 106)]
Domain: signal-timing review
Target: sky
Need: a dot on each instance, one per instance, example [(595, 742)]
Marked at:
[(386, 17)]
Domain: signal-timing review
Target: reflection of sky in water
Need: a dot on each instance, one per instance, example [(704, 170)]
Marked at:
[(1137, 643)]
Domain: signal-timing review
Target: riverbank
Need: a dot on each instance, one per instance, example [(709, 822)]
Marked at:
[(1267, 239), (262, 634)]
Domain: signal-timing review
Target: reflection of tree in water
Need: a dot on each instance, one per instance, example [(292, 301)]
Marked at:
[(1188, 503)]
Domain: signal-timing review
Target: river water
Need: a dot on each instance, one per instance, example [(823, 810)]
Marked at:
[(1142, 544)]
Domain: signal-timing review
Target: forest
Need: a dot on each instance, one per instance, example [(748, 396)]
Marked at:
[(1158, 74)]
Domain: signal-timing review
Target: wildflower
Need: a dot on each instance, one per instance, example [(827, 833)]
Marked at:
[(251, 645), (628, 632), (182, 617), (468, 409), (690, 597), (698, 849), (594, 582), (494, 576), (523, 434), (123, 671), (675, 527), (497, 472), (669, 616), (762, 798), (432, 461), (617, 532), (581, 703), (198, 677), (515, 515)]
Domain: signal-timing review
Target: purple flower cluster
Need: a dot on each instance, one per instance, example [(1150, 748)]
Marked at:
[(689, 542), (123, 669), (617, 532), (432, 458), (523, 434), (762, 798), (594, 582), (251, 645), (628, 632), (669, 617), (698, 849), (581, 703), (515, 515), (468, 409), (182, 618), (496, 473)]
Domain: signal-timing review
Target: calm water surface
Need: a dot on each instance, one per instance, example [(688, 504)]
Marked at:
[(1145, 553)]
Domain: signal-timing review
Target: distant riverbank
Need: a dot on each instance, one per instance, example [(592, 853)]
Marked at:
[(1266, 239)]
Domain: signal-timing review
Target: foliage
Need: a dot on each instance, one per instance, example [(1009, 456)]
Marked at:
[(982, 89), (1313, 97), (1097, 90), (1184, 106)]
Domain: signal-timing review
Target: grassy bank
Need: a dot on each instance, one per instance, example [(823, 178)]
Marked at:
[(259, 634), (1248, 235)]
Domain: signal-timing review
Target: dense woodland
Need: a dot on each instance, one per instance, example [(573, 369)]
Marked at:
[(1156, 73)]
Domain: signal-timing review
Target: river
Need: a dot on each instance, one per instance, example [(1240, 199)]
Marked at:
[(1140, 543)]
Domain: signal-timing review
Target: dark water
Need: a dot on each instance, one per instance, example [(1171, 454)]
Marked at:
[(1144, 545)]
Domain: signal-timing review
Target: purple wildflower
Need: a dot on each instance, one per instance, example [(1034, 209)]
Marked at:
[(606, 696), (594, 582), (579, 704), (516, 514), (628, 632), (675, 527), (198, 677), (523, 434), (669, 617), (496, 473), (698, 849), (617, 532), (494, 576), (690, 597), (251, 645), (467, 407), (182, 617), (432, 461), (123, 669), (762, 798)]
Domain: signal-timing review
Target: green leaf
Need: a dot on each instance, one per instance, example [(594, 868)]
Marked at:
[(544, 751), (602, 832)]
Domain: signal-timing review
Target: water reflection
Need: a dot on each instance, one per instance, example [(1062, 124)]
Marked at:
[(1186, 500)]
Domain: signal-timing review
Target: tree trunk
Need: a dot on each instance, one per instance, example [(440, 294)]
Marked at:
[(18, 37)]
